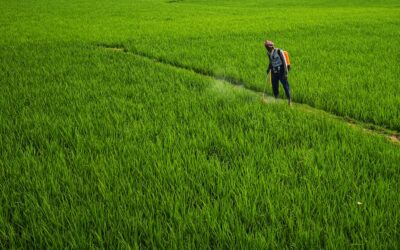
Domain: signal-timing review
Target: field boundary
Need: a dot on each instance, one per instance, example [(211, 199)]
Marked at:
[(368, 128)]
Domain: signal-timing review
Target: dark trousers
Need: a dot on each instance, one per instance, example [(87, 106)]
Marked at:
[(280, 76)]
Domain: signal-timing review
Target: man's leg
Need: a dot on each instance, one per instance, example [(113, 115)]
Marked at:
[(285, 84), (275, 84)]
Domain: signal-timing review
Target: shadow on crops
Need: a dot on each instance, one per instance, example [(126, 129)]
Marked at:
[(174, 1)]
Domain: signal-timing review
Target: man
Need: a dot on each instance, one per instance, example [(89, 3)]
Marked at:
[(279, 68)]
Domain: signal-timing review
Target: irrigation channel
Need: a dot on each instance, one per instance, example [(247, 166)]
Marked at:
[(368, 128)]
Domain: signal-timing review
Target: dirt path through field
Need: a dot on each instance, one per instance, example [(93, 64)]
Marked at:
[(368, 128)]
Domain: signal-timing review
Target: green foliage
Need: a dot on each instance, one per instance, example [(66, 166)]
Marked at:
[(104, 149)]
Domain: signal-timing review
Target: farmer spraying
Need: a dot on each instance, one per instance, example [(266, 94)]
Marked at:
[(279, 66)]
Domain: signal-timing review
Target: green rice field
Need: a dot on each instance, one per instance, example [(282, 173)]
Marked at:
[(140, 124)]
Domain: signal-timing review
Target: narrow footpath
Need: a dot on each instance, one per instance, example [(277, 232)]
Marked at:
[(368, 128)]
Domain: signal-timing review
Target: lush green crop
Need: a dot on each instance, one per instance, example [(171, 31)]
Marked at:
[(345, 60), (344, 53), (106, 149)]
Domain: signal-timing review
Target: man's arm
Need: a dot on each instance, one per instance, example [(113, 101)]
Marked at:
[(269, 67)]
